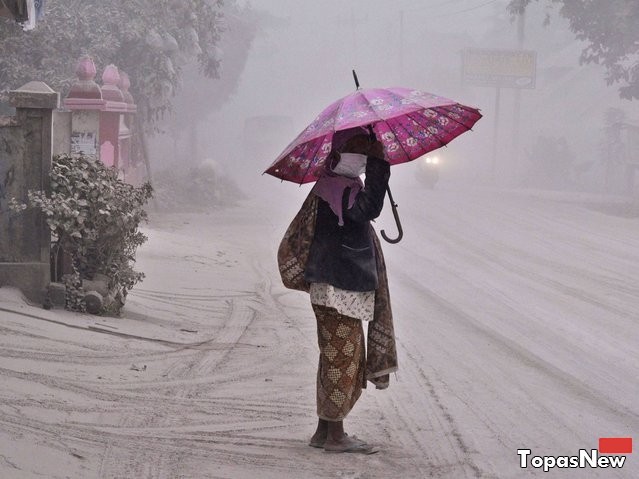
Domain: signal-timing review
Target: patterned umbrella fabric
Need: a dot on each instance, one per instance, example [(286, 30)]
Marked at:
[(409, 123)]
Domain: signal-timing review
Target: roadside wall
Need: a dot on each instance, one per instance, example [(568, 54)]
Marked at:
[(25, 164)]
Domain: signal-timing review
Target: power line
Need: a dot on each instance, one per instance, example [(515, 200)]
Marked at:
[(341, 19), (446, 3), (464, 11), (429, 7)]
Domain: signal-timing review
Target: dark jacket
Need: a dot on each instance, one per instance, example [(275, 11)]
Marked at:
[(343, 256)]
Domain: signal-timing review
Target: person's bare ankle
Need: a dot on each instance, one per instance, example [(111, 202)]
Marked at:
[(335, 432), (319, 436)]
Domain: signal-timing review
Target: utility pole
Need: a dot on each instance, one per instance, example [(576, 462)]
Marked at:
[(493, 168), (401, 46), (521, 23)]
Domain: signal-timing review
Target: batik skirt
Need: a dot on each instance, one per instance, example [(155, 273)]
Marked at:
[(342, 363)]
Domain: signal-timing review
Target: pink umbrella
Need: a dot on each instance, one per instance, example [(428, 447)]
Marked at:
[(409, 123)]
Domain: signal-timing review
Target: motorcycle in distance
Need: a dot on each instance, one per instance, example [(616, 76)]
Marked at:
[(428, 170)]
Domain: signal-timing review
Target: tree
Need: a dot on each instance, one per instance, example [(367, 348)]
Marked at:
[(149, 39), (611, 28), (194, 104)]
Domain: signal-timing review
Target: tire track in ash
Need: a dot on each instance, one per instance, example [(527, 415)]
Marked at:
[(200, 447), (43, 416), (164, 409), (477, 250), (488, 258), (195, 382), (107, 400), (521, 353), (418, 424), (482, 246), (582, 296), (147, 463), (248, 435), (508, 421), (96, 356)]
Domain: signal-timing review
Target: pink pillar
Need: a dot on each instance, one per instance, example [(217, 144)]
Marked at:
[(101, 116), (126, 127), (85, 102), (85, 88), (110, 116)]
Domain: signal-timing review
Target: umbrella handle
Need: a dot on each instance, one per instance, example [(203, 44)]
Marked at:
[(400, 231)]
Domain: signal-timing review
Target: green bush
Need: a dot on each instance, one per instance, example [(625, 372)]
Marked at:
[(94, 217)]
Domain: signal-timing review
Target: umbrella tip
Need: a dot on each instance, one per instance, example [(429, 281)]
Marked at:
[(356, 80)]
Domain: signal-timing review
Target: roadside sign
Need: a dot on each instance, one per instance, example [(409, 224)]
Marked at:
[(499, 68)]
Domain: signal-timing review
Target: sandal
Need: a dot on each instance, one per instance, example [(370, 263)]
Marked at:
[(320, 444), (355, 446)]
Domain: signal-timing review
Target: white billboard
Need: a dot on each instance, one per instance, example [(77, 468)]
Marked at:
[(499, 68)]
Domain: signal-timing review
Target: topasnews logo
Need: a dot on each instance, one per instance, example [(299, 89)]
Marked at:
[(592, 459)]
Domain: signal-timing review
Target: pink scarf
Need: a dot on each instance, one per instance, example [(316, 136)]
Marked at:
[(331, 189)]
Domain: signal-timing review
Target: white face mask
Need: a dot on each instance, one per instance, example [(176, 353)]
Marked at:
[(351, 165)]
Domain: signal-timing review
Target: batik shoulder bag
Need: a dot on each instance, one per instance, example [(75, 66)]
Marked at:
[(294, 248)]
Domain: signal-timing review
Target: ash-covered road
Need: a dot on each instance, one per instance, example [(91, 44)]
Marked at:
[(517, 328)]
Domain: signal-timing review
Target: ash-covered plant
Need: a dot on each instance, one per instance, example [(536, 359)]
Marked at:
[(199, 188), (94, 217)]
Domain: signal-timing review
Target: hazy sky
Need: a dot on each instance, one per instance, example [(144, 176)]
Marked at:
[(301, 61), (322, 41)]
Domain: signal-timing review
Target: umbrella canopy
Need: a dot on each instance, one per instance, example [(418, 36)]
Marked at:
[(409, 123)]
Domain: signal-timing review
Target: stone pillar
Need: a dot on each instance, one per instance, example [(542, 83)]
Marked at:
[(25, 149)]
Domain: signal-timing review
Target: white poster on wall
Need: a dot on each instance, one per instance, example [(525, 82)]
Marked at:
[(84, 142)]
